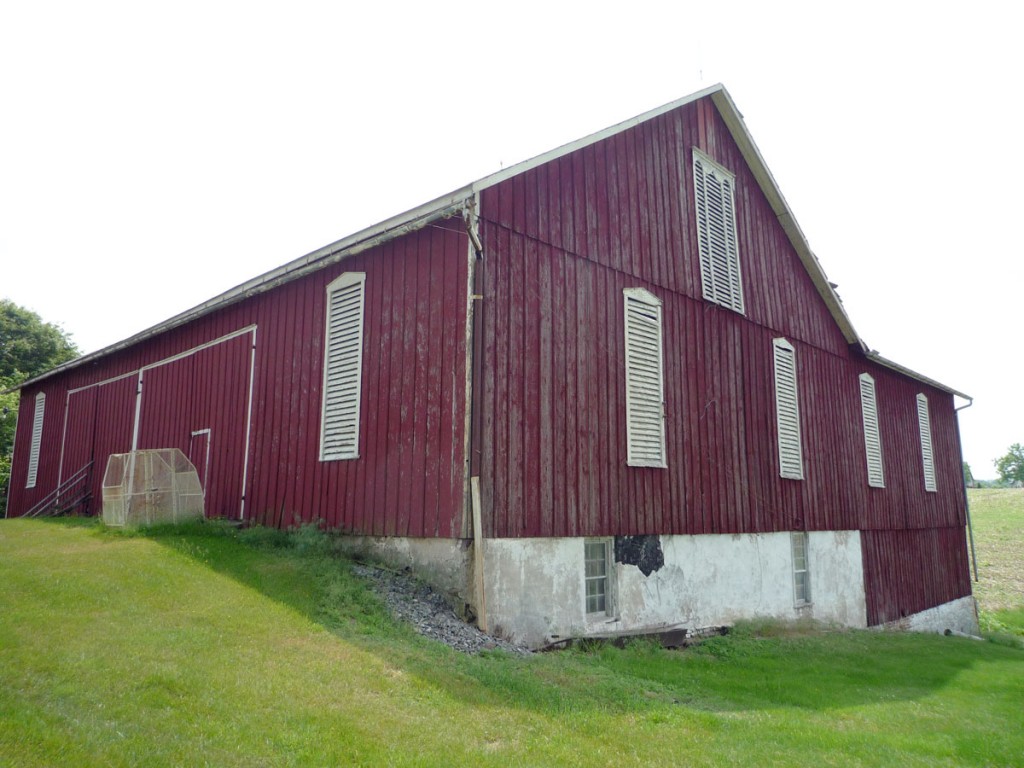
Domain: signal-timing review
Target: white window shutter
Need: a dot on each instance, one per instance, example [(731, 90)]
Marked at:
[(872, 441), (645, 386), (924, 425), (714, 197), (343, 367), (787, 411), (37, 440)]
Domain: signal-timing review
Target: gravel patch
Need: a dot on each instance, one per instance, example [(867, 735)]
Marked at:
[(429, 612)]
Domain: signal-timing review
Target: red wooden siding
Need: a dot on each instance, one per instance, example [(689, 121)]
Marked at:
[(561, 242), (206, 390), (907, 571), (409, 478), (626, 203), (99, 422)]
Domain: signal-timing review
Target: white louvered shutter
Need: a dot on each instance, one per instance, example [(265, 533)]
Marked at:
[(343, 367), (37, 440), (716, 233), (787, 411), (645, 397), (872, 442), (924, 424)]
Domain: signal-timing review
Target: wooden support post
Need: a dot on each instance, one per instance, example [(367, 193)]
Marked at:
[(478, 557)]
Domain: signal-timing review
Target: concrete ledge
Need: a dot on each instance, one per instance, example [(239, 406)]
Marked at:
[(955, 617), (445, 564)]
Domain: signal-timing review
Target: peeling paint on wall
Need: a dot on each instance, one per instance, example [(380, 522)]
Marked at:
[(642, 551), (536, 587)]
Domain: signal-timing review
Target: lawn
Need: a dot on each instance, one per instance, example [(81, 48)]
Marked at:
[(998, 517), (211, 647)]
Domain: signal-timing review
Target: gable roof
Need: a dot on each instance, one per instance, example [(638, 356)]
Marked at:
[(459, 199)]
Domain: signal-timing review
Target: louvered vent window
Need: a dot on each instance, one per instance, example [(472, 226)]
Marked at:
[(872, 442), (924, 424), (645, 399), (37, 440), (787, 411), (716, 233), (343, 366)]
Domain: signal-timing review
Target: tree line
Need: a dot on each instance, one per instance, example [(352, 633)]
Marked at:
[(29, 346)]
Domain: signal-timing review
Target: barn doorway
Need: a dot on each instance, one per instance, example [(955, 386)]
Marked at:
[(199, 455)]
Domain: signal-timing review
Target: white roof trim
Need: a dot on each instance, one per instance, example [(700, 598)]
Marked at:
[(409, 221), (454, 201), (586, 141), (885, 363), (738, 129)]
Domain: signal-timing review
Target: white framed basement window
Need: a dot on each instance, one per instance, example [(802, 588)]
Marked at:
[(645, 380), (872, 441), (924, 426), (37, 440), (801, 568), (787, 411), (714, 198), (343, 367), (597, 559)]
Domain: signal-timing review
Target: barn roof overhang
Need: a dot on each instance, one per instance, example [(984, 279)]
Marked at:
[(893, 366), (409, 221), (456, 201)]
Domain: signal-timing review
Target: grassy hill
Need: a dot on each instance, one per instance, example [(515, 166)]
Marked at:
[(213, 647), (998, 516)]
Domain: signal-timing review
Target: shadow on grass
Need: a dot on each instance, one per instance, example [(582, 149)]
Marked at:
[(746, 670)]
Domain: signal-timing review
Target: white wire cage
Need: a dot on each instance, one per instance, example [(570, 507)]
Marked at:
[(151, 487)]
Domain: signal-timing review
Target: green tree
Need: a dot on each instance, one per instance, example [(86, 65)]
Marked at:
[(968, 476), (1011, 466), (28, 347)]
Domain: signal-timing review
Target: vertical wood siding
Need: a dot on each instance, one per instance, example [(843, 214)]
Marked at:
[(561, 242), (907, 571), (409, 477)]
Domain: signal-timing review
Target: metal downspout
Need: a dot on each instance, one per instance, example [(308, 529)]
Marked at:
[(967, 506)]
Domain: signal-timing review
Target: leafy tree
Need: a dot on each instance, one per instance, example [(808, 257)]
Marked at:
[(1011, 466), (28, 347), (968, 476)]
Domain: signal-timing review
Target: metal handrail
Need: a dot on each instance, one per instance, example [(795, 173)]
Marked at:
[(50, 504)]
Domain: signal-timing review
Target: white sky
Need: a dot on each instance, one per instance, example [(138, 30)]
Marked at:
[(153, 155)]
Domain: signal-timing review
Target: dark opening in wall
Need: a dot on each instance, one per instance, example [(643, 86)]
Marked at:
[(642, 551)]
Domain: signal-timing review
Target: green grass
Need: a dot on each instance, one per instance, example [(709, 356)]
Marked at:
[(211, 647), (998, 519)]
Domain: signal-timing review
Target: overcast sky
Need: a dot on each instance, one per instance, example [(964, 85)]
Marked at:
[(153, 155)]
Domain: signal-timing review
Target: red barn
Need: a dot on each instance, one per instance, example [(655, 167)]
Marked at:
[(607, 389)]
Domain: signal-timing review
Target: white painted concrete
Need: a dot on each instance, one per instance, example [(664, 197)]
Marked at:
[(535, 587), (957, 616), (443, 563)]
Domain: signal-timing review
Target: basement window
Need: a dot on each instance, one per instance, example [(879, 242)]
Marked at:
[(645, 387), (872, 442), (37, 440), (787, 411), (343, 367), (597, 558), (714, 197), (801, 572), (924, 426)]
